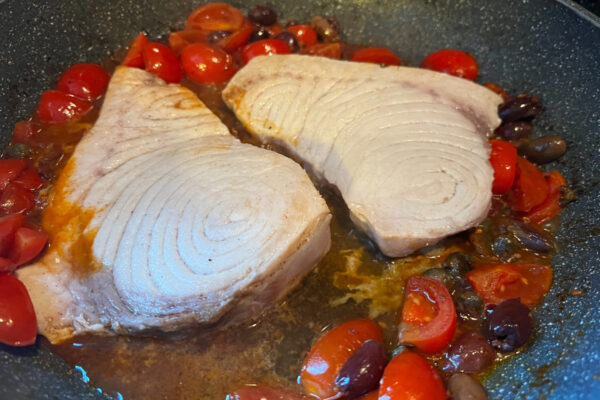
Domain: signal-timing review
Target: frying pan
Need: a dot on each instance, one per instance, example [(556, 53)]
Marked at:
[(539, 46)]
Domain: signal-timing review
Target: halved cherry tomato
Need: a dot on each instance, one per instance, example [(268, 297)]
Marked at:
[(496, 89), (263, 393), (15, 199), (503, 158), (374, 395), (530, 188), (27, 245), (329, 50), (551, 206), (236, 40), (215, 17), (265, 47), (8, 227), (86, 81), (428, 315), (10, 168), (499, 282), (161, 61), (56, 106), (305, 34), (327, 357), (181, 39), (6, 265), (409, 376), (25, 131), (376, 55), (453, 62), (207, 64), (29, 179), (134, 57), (18, 326)]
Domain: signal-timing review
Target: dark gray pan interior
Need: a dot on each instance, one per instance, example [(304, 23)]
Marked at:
[(537, 46)]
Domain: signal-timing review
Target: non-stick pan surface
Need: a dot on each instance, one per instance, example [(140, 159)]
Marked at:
[(539, 46)]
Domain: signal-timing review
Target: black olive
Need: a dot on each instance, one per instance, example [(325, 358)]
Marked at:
[(514, 130), (508, 325), (262, 15), (328, 30), (544, 149), (468, 304), (464, 387), (470, 353), (442, 275), (362, 371), (259, 34), (215, 36), (531, 238), (289, 38), (522, 107), (458, 264)]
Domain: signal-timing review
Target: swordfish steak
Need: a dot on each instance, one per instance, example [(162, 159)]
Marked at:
[(162, 220), (405, 147)]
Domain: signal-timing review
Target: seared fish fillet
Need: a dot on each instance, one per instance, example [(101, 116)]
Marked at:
[(162, 220), (406, 147)]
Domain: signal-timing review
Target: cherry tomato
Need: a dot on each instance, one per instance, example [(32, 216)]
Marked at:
[(29, 179), (6, 265), (236, 40), (374, 395), (265, 47), (551, 206), (25, 131), (530, 188), (329, 50), (8, 227), (181, 39), (327, 357), (410, 377), (499, 282), (86, 81), (453, 62), (496, 89), (503, 158), (162, 62), (305, 34), (15, 199), (134, 57), (428, 315), (28, 244), (263, 393), (376, 55), (18, 325), (10, 168), (56, 106), (207, 64), (215, 17)]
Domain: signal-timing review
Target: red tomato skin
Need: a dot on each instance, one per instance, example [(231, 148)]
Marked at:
[(207, 64), (6, 265), (162, 62), (551, 206), (27, 245), (25, 132), (408, 376), (433, 336), (214, 17), (86, 81), (529, 189), (134, 57), (329, 50), (496, 283), (29, 179), (453, 62), (236, 40), (18, 326), (328, 355), (503, 158), (263, 393), (56, 107), (376, 55), (10, 168), (496, 89), (265, 47), (8, 227), (305, 34), (15, 199)]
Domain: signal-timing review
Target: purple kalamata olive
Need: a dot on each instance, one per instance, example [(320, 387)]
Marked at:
[(289, 38), (262, 15), (531, 238), (544, 149), (508, 326), (464, 387), (215, 36), (470, 353), (514, 130), (521, 107), (362, 371), (259, 34)]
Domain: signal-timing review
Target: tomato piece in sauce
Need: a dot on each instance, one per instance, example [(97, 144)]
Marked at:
[(305, 34), (56, 107), (503, 158), (409, 376), (551, 206), (236, 40), (263, 393), (453, 62), (9, 224), (327, 357), (134, 57), (29, 179), (161, 61), (18, 325), (529, 189), (10, 168), (498, 282), (265, 47), (428, 315), (25, 132), (329, 50), (376, 55), (28, 243), (214, 17), (86, 81), (16, 199), (207, 64)]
